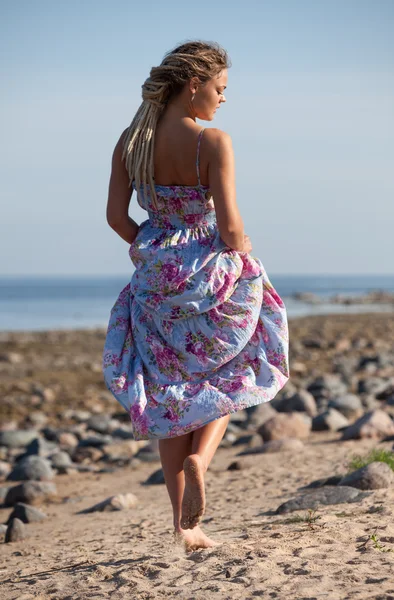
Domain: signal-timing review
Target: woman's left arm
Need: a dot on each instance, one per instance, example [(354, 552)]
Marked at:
[(119, 194)]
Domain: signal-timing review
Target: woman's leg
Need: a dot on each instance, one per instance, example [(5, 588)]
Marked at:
[(173, 452), (204, 443)]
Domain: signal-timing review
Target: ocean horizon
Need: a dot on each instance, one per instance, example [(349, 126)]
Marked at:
[(37, 303)]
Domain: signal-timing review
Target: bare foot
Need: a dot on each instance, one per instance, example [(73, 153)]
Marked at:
[(193, 503), (194, 539)]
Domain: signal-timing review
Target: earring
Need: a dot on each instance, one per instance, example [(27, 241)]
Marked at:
[(193, 97)]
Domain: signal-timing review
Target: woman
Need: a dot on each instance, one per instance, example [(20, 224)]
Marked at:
[(199, 332)]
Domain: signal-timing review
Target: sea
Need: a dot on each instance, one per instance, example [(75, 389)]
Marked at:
[(45, 303)]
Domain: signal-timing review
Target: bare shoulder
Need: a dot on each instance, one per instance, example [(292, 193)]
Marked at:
[(217, 138)]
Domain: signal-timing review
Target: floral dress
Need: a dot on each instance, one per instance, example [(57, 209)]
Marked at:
[(199, 332)]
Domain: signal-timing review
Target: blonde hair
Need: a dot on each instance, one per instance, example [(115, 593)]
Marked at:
[(203, 60)]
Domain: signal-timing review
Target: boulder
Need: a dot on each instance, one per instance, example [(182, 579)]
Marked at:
[(285, 425)]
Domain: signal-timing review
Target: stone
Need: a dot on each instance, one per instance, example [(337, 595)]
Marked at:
[(40, 447), (283, 445), (66, 439), (26, 513), (30, 492), (285, 425), (95, 441), (32, 468), (373, 476), (323, 496), (16, 531), (349, 405), (329, 385), (36, 419), (301, 401), (118, 502), (380, 388), (155, 478), (5, 468), (374, 424), (61, 460), (18, 438), (260, 413), (317, 483), (100, 423), (331, 420), (121, 451), (87, 454)]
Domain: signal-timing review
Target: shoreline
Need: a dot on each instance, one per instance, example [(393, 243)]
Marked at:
[(295, 311)]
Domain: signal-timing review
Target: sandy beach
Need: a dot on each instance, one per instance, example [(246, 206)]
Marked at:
[(339, 403)]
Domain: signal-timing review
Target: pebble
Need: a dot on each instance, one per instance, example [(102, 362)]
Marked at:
[(118, 502), (16, 531)]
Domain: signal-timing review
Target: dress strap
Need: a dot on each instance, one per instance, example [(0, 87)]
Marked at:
[(198, 155)]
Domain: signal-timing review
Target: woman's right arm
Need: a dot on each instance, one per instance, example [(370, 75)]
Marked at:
[(221, 173)]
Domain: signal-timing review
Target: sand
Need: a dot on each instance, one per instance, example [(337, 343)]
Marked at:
[(337, 552)]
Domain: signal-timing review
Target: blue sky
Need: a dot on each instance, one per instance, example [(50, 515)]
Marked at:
[(310, 108)]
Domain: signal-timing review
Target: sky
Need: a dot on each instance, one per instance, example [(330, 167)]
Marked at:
[(310, 109)]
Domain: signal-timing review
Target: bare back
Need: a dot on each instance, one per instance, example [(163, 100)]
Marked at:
[(175, 155)]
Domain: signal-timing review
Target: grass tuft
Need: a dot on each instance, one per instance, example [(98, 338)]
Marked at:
[(376, 455)]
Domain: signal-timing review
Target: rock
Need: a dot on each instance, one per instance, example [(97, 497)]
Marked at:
[(380, 388), (328, 385), (325, 495), (317, 483), (5, 468), (369, 402), (95, 441), (18, 438), (30, 492), (285, 425), (121, 451), (67, 439), (3, 494), (283, 445), (61, 460), (349, 405), (100, 423), (40, 447), (301, 401), (32, 468), (237, 465), (87, 454), (345, 366), (331, 420), (36, 419), (374, 424), (118, 502), (13, 358), (123, 432), (155, 478), (149, 452), (259, 414), (374, 476), (16, 531), (26, 513)]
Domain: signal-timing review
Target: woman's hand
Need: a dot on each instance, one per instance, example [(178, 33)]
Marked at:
[(247, 244)]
